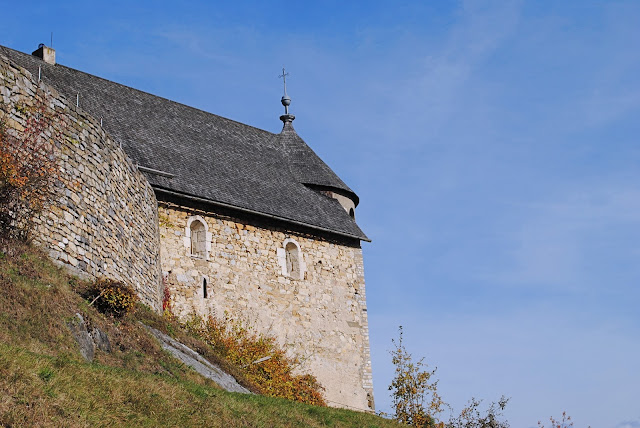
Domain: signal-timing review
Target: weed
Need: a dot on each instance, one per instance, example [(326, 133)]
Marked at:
[(62, 360), (46, 374)]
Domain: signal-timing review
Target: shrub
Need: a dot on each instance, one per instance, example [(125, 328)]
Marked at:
[(262, 360), (416, 401), (167, 306), (472, 416), (414, 394), (565, 422), (28, 169), (112, 297)]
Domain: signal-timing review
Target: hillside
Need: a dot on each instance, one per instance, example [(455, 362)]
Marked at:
[(46, 382)]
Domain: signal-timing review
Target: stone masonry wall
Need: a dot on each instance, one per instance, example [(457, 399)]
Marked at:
[(104, 221), (321, 317)]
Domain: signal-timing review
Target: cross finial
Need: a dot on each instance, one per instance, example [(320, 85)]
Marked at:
[(284, 79), (286, 101)]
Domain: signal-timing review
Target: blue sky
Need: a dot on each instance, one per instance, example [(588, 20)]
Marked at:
[(494, 146)]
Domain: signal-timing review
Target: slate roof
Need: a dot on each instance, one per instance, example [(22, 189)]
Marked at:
[(210, 157)]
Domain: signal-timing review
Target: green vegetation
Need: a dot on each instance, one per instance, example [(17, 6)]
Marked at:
[(45, 381)]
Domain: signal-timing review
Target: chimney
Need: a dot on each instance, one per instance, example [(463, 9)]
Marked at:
[(45, 53)]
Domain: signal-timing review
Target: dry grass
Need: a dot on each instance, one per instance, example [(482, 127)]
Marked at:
[(45, 382)]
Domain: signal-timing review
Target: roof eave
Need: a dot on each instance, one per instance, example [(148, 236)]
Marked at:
[(362, 237)]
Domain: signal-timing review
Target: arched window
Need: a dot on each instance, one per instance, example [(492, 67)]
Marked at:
[(352, 213), (197, 238), (291, 260), (292, 257), (204, 288)]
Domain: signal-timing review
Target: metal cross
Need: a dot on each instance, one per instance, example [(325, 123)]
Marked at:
[(284, 78)]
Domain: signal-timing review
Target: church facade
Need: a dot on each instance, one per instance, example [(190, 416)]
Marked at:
[(248, 224)]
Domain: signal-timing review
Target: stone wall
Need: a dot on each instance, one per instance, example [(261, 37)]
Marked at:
[(321, 317), (104, 221)]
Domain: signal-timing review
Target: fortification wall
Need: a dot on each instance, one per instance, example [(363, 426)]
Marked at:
[(321, 317), (104, 221)]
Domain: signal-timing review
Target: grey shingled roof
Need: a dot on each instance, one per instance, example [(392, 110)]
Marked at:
[(211, 157)]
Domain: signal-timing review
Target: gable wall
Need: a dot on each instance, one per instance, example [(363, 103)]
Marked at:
[(322, 318), (104, 220)]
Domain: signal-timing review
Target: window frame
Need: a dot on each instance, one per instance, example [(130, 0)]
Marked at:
[(283, 260), (188, 237)]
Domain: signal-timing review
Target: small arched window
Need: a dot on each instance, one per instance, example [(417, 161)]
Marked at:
[(205, 294), (198, 239), (291, 260), (292, 257), (352, 213)]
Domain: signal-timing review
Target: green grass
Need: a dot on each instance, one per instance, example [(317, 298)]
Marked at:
[(45, 382)]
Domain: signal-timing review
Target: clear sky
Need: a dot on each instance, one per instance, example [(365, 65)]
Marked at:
[(494, 146)]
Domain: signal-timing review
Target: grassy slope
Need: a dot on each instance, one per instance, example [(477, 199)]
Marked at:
[(45, 382)]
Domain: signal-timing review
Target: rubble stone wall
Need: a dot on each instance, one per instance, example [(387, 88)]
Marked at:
[(104, 220), (321, 317)]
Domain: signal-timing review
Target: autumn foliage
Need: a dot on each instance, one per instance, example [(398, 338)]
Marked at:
[(112, 297), (28, 169), (259, 356), (416, 402), (167, 306), (565, 422), (414, 394)]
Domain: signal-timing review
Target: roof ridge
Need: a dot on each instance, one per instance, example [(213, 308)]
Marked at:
[(141, 91)]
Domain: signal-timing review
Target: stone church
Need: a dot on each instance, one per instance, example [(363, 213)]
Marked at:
[(234, 220)]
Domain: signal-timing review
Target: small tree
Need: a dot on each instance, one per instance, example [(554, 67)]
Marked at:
[(472, 417), (28, 169), (417, 403), (565, 422), (414, 395)]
